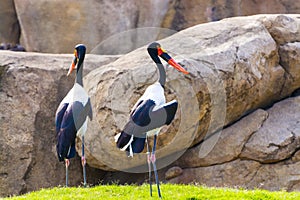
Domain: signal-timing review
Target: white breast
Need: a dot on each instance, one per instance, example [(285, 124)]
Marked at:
[(155, 92), (77, 93)]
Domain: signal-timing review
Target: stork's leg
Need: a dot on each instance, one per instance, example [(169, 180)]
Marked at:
[(149, 165), (67, 163), (83, 162), (153, 160)]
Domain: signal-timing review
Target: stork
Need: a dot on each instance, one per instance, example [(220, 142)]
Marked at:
[(149, 114), (71, 115)]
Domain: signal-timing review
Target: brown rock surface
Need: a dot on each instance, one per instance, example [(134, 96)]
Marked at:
[(53, 26), (31, 87), (268, 158), (186, 13), (229, 145), (234, 69), (9, 29), (279, 137), (237, 66)]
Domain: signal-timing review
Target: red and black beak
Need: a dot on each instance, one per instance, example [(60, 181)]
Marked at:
[(163, 54), (74, 62)]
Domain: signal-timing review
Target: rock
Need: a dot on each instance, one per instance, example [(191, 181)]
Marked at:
[(236, 173), (244, 174), (81, 18), (31, 87), (88, 22), (289, 60), (284, 28), (9, 29), (227, 146), (281, 176), (134, 22), (186, 13), (234, 67), (239, 68), (173, 172), (279, 137), (268, 158)]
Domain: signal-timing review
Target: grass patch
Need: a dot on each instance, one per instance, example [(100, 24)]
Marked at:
[(169, 191)]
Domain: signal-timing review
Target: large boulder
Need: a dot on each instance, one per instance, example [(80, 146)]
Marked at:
[(43, 23), (235, 67), (182, 14), (31, 87), (259, 151), (9, 29), (53, 26)]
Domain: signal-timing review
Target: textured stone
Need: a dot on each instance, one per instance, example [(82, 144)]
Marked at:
[(44, 23), (186, 13), (173, 172), (31, 87), (236, 173), (245, 174), (9, 29), (268, 158), (279, 137), (237, 66), (289, 59), (225, 146), (234, 67)]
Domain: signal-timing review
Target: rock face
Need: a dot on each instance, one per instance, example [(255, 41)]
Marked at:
[(235, 67), (88, 22), (186, 13), (31, 87), (43, 23), (243, 72), (259, 151), (9, 29)]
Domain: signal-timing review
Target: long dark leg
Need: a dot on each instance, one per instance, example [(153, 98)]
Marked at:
[(83, 162), (67, 163), (149, 165), (153, 160)]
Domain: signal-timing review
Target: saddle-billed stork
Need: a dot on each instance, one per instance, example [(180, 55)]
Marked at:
[(71, 115), (149, 114)]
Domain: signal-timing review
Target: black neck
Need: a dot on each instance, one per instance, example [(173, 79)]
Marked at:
[(161, 69), (162, 74), (79, 73)]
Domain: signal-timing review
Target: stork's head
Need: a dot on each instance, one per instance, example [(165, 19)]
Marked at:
[(79, 53), (155, 50)]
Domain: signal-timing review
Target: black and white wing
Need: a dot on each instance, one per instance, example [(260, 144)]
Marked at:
[(146, 117)]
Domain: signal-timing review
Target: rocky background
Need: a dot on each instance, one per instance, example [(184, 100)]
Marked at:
[(244, 80), (51, 26)]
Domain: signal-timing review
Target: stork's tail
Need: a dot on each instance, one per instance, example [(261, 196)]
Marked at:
[(130, 143)]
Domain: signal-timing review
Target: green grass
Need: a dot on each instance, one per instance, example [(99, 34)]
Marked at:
[(169, 191)]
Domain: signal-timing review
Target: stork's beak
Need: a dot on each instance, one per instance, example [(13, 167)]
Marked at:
[(163, 54), (74, 62)]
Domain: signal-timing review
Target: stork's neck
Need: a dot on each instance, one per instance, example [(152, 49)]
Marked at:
[(162, 73), (79, 74), (160, 67)]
